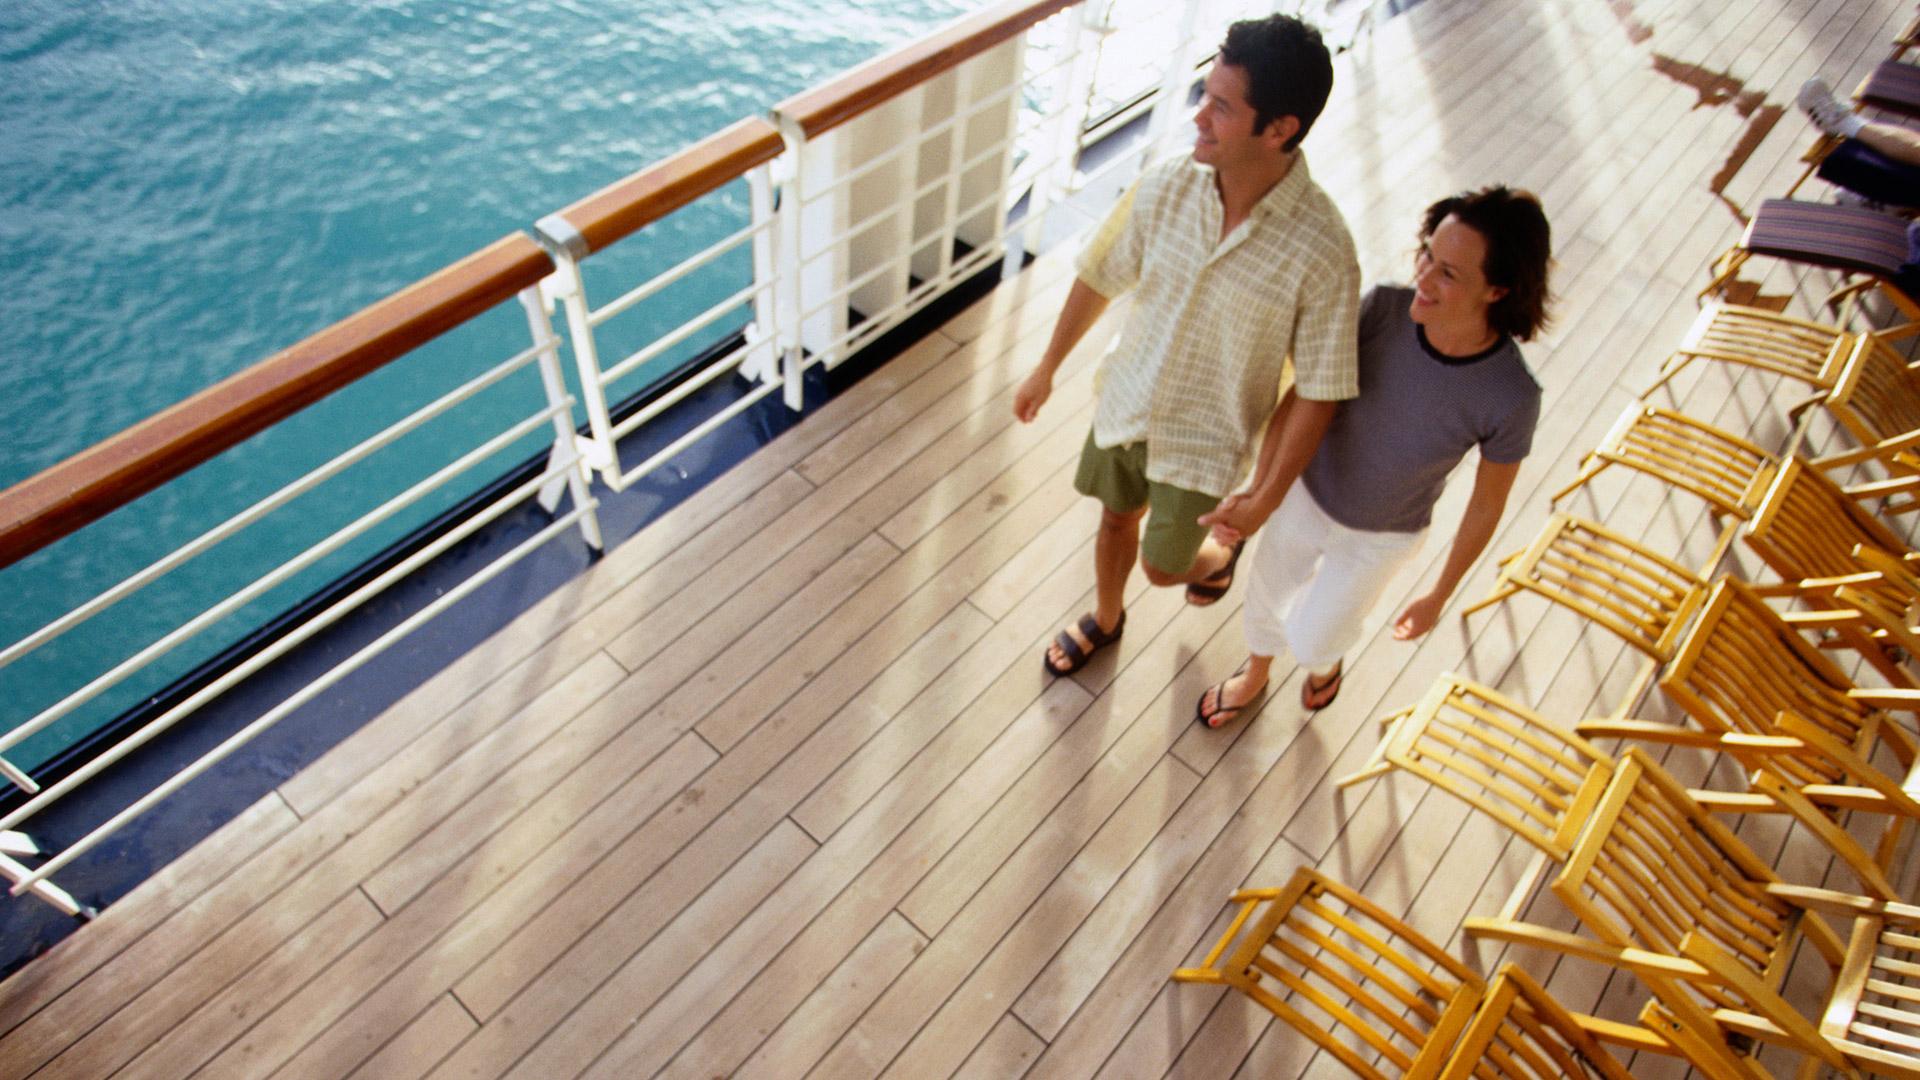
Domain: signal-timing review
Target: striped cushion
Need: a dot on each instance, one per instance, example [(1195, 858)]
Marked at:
[(1844, 237), (1893, 86)]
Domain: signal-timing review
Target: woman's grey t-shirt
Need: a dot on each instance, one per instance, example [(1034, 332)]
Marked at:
[(1387, 454)]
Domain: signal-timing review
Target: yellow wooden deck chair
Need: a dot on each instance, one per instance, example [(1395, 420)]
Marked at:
[(1798, 349), (1729, 472), (1873, 1014), (1386, 1002), (1806, 530), (1759, 691), (1673, 895), (1336, 967), (1638, 594)]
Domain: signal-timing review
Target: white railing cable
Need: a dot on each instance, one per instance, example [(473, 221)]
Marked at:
[(278, 575), (282, 646), (302, 696), (260, 509), (746, 401), (667, 277), (684, 389), (686, 330)]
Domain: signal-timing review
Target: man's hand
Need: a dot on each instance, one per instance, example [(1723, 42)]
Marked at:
[(1236, 518), (1033, 392), (1419, 617)]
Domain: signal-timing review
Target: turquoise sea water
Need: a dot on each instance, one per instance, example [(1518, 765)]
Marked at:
[(187, 186)]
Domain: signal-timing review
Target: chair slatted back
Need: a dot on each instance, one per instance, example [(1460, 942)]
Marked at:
[(1796, 348), (1875, 1008), (1807, 527), (1654, 871), (1729, 472), (1876, 395), (1799, 349), (1640, 595), (1522, 1033), (1741, 667), (1363, 985), (1502, 758)]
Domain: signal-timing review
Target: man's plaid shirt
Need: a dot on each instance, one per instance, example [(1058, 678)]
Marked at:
[(1196, 371)]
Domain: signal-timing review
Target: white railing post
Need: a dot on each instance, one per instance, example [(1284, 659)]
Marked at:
[(1172, 106), (18, 843), (567, 247), (18, 776), (761, 363), (540, 326), (788, 264), (1055, 182)]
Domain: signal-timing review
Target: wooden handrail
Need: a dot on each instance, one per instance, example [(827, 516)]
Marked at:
[(59, 501), (626, 206), (879, 81)]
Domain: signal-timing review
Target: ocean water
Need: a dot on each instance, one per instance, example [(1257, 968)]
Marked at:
[(187, 186)]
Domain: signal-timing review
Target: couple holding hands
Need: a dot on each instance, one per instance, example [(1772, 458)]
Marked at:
[(1237, 261)]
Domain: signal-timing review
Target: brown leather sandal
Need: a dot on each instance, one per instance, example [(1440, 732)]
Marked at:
[(1215, 585), (1077, 658)]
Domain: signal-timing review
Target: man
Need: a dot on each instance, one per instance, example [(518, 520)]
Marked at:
[(1237, 261)]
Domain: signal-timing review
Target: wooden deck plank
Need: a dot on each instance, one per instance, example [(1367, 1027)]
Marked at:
[(180, 886), (808, 1033), (424, 1041)]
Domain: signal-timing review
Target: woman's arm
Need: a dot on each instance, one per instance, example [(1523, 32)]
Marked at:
[(1492, 482), (1293, 434)]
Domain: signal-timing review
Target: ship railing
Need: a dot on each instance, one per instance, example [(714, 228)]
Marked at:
[(866, 199)]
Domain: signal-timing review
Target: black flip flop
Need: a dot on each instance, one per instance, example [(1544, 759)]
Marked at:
[(1097, 639), (1221, 716), (1313, 687)]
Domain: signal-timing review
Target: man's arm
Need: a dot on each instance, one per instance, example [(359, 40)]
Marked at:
[(1077, 316), (1491, 484), (1293, 434)]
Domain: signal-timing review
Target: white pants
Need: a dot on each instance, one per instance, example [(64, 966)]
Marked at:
[(1314, 580)]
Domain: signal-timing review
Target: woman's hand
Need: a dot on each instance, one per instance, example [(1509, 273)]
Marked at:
[(1419, 617)]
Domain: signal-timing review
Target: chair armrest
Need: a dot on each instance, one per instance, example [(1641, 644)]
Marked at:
[(1880, 489), (1648, 731), (1640, 960), (1814, 584), (1901, 698), (1734, 802), (1886, 447), (1833, 901)]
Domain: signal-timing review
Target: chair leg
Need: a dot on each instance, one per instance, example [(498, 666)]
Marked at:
[(1668, 369), (1500, 592), (1725, 269), (1588, 471)]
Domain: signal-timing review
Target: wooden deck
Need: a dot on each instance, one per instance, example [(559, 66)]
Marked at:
[(779, 786)]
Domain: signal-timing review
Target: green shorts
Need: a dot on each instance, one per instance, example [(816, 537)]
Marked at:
[(1118, 478)]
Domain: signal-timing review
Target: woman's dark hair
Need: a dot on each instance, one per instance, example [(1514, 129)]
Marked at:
[(1289, 72), (1519, 252)]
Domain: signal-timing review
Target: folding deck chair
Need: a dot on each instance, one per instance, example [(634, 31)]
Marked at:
[(1851, 239)]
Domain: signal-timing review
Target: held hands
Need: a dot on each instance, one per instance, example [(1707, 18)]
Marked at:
[(1237, 517), (1033, 392), (1419, 617)]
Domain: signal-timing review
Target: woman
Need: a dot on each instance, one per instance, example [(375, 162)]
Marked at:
[(1440, 373)]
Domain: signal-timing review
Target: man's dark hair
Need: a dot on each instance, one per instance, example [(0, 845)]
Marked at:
[(1289, 72), (1519, 252)]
